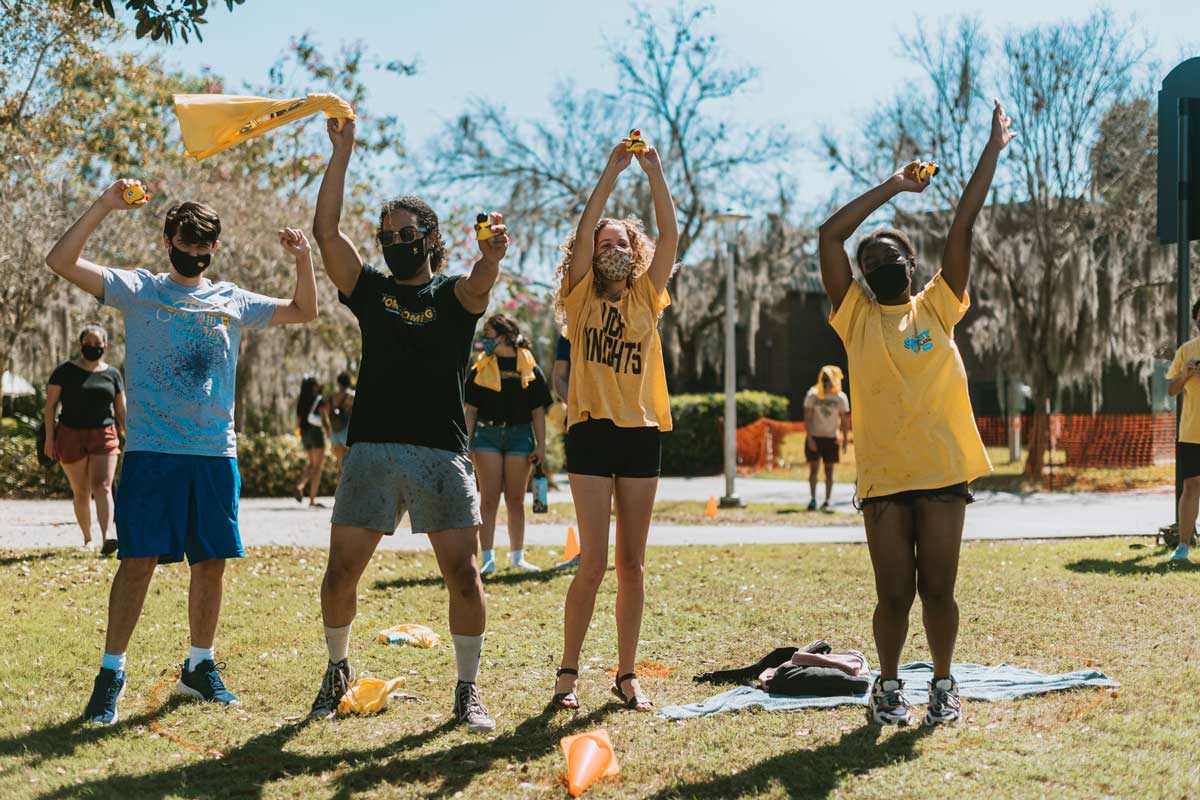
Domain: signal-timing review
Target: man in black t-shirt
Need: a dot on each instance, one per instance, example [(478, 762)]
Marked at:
[(408, 435)]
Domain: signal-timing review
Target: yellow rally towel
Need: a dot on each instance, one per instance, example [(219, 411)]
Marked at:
[(835, 378), (211, 123), (487, 370)]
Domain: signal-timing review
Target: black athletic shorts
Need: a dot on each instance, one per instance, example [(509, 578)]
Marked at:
[(599, 447), (1189, 460), (908, 498), (825, 449)]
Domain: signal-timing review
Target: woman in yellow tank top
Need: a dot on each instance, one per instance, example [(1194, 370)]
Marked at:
[(918, 447), (612, 293)]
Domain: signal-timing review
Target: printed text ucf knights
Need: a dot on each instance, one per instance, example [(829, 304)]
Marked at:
[(607, 345)]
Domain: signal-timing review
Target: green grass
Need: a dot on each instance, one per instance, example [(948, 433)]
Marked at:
[(1111, 604), (691, 512)]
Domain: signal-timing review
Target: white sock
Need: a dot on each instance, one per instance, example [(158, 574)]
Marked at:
[(516, 556), (488, 555), (338, 642), (467, 650), (199, 654)]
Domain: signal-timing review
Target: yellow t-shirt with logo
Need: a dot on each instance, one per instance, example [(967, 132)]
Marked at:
[(617, 370), (913, 424), (1189, 423)]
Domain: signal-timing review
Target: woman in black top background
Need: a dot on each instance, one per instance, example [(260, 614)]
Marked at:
[(506, 397), (86, 438), (312, 420)]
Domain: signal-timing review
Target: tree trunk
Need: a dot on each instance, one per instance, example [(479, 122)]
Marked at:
[(5, 355), (1039, 435)]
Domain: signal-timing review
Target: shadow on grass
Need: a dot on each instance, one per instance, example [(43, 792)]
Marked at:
[(41, 555), (809, 773), (503, 579), (247, 771), (1155, 561)]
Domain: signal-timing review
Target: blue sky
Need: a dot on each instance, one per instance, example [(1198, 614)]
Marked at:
[(823, 65)]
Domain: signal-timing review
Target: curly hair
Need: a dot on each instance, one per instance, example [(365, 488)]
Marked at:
[(508, 329), (640, 245), (426, 218)]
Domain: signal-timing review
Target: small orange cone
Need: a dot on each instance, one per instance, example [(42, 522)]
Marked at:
[(572, 548), (711, 509), (589, 757)]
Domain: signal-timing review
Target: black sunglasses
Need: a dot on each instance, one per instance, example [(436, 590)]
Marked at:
[(405, 235)]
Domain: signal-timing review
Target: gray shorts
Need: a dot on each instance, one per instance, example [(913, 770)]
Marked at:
[(382, 480)]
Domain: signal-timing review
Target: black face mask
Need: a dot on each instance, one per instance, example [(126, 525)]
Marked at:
[(888, 281), (189, 266), (405, 259), (91, 352)]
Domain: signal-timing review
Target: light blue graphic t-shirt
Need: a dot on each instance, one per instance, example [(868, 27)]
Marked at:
[(181, 347)]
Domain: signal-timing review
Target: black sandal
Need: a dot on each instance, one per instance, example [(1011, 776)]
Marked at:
[(636, 700), (560, 699)]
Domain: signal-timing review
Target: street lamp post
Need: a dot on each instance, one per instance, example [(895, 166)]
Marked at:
[(728, 220)]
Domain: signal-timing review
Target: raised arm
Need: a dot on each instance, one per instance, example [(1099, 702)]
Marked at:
[(342, 262), (956, 257), (65, 258), (303, 307), (474, 291), (834, 232), (667, 245), (585, 246)]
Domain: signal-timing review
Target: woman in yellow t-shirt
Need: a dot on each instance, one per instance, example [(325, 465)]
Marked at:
[(914, 432), (612, 293)]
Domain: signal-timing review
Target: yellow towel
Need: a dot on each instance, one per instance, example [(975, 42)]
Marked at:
[(487, 370), (835, 378), (211, 123)]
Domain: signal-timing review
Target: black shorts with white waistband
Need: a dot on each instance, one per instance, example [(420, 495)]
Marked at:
[(599, 447)]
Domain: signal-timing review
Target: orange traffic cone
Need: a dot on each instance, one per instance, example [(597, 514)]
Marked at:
[(711, 509), (589, 757), (571, 551)]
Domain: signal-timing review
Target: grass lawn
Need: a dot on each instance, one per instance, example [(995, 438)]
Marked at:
[(1006, 476), (691, 512), (1111, 604)]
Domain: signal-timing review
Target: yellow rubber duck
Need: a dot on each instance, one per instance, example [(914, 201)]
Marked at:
[(134, 195), (926, 170), (483, 227), (636, 143)]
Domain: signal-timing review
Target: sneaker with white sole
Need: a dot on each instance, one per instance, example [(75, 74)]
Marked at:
[(887, 705), (204, 683), (1181, 552), (470, 710), (489, 567), (338, 679), (944, 705), (108, 689), (524, 566)]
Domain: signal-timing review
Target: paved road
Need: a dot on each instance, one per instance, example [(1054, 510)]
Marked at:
[(994, 515)]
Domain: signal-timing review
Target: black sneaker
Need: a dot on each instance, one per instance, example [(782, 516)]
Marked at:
[(109, 547), (470, 710), (204, 683), (106, 691), (337, 680), (944, 705)]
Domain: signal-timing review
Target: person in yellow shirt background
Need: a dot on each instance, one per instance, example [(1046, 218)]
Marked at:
[(613, 292), (1184, 367), (916, 442)]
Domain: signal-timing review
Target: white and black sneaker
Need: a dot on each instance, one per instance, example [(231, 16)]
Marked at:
[(337, 680), (887, 705), (944, 705), (470, 710)]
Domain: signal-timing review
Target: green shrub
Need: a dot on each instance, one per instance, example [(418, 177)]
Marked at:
[(694, 446), (22, 476), (271, 465)]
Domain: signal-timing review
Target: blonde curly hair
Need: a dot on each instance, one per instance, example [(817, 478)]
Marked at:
[(641, 247)]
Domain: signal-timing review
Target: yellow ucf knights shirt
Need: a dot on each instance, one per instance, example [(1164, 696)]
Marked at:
[(913, 424), (617, 370)]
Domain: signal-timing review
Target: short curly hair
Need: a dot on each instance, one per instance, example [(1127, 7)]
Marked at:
[(427, 218), (641, 247)]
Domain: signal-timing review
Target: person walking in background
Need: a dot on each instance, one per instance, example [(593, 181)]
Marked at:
[(826, 411), (180, 484), (612, 292), (312, 419), (506, 400), (916, 441), (341, 406), (86, 439), (1184, 367)]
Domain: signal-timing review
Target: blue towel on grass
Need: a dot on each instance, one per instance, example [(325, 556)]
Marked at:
[(975, 682)]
